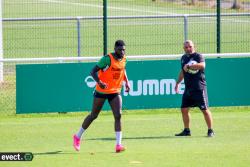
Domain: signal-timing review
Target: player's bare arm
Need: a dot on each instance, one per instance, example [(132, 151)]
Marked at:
[(198, 66), (186, 67), (126, 82), (180, 78)]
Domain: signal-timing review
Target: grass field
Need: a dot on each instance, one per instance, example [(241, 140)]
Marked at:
[(143, 36), (148, 136)]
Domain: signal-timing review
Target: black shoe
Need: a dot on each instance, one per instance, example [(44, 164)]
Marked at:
[(210, 133), (184, 133)]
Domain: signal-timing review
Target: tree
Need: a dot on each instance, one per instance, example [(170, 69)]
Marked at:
[(236, 4), (193, 2)]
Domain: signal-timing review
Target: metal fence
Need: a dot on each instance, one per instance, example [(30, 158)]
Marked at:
[(43, 28), (79, 36), (82, 28)]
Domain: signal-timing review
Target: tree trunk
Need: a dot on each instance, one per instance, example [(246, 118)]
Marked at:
[(193, 2), (236, 4)]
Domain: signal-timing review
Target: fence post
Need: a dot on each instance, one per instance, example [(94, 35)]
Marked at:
[(105, 26), (78, 37), (218, 20), (185, 27), (1, 43)]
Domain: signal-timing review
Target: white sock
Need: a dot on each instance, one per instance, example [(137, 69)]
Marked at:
[(80, 132), (118, 137)]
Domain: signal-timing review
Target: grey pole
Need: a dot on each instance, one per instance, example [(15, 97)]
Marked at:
[(185, 27), (105, 28), (1, 44), (78, 37), (218, 26)]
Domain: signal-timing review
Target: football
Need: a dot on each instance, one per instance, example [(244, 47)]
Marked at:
[(191, 62)]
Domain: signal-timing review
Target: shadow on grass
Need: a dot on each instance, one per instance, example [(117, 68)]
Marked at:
[(148, 138), (135, 138), (53, 153)]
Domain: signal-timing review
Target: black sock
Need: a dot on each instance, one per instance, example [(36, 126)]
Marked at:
[(187, 130)]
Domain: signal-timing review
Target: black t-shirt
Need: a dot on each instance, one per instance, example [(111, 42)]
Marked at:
[(193, 81)]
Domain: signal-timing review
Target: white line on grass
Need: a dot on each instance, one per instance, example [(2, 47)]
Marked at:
[(130, 9), (109, 7)]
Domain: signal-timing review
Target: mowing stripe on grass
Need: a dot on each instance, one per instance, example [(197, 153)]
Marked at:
[(109, 7)]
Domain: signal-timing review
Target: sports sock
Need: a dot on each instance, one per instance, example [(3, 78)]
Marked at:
[(80, 132), (118, 138)]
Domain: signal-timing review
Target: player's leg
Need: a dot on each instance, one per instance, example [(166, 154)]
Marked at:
[(209, 121), (96, 108), (186, 103), (208, 118), (203, 105), (116, 106), (185, 117), (186, 122)]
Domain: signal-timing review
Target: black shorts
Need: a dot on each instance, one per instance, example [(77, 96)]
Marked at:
[(196, 98), (110, 97)]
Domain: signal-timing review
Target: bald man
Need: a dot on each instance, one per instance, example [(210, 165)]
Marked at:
[(195, 93)]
